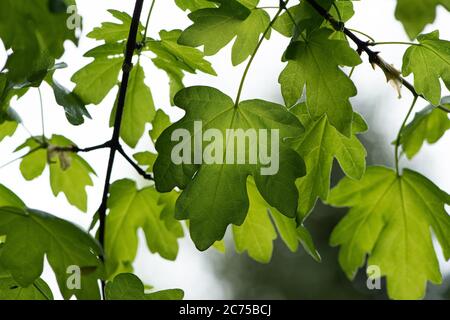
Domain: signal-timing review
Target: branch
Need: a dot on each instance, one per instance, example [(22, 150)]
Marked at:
[(139, 170), (364, 46), (127, 67)]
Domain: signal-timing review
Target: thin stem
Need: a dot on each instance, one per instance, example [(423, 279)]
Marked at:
[(42, 115), (139, 170), (127, 67), (252, 57), (394, 43), (337, 10), (76, 149), (363, 34), (441, 107), (351, 72), (147, 23), (399, 135)]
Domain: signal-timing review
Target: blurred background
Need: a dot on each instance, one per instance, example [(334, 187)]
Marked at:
[(212, 275)]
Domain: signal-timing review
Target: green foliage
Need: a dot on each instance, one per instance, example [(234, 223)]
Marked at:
[(392, 216), (69, 173), (429, 62), (319, 145), (391, 220), (257, 233), (36, 35), (211, 209), (42, 234), (176, 59), (132, 209), (127, 286), (328, 89), (214, 28), (429, 125), (416, 14)]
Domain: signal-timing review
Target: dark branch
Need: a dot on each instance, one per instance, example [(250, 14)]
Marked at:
[(127, 67), (139, 170)]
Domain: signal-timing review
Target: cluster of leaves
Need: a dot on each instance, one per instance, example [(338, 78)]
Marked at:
[(392, 213)]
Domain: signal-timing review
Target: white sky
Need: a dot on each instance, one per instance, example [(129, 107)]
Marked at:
[(192, 270)]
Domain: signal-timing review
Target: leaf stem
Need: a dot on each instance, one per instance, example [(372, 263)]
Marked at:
[(147, 23), (363, 34), (127, 67), (247, 68), (42, 115), (394, 43), (399, 135)]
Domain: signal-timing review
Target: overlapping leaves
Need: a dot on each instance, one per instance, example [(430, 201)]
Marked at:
[(215, 194), (314, 66), (319, 145), (131, 209)]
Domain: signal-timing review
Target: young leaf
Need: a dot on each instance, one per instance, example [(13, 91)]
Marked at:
[(111, 32), (391, 221), (319, 146), (314, 64), (69, 173), (42, 234), (9, 123), (416, 14), (127, 286), (139, 108), (214, 28), (429, 62), (429, 125), (211, 209), (130, 210), (257, 233)]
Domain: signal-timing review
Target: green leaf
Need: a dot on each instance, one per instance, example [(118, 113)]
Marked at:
[(314, 65), (429, 125), (114, 32), (307, 242), (9, 198), (9, 126), (214, 28), (43, 235), (139, 108), (257, 233), (95, 81), (146, 159), (211, 209), (36, 36), (73, 105), (429, 62), (391, 220), (159, 124), (319, 146), (69, 173), (127, 286), (416, 14), (130, 210), (10, 289)]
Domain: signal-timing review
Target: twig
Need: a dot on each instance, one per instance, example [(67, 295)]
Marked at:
[(139, 170)]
